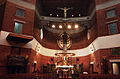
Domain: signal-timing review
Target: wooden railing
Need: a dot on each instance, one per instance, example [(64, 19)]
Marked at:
[(54, 76)]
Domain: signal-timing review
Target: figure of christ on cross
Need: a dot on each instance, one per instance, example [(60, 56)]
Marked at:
[(65, 9)]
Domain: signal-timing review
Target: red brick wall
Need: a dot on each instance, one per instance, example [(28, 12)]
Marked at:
[(10, 18), (4, 52), (31, 1), (26, 52), (101, 1), (102, 20), (2, 8), (86, 62), (102, 29), (41, 60), (97, 58), (7, 50)]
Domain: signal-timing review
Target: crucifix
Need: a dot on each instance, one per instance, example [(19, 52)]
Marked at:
[(65, 9)]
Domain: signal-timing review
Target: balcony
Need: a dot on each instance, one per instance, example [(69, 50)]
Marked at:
[(19, 38)]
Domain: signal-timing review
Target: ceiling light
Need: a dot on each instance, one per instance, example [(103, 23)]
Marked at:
[(50, 14), (76, 26), (69, 26), (57, 15), (60, 26), (53, 26), (91, 62), (37, 53), (35, 62)]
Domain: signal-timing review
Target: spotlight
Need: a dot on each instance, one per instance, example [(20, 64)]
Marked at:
[(37, 53), (76, 26), (69, 27), (50, 14), (60, 26), (53, 26), (57, 15)]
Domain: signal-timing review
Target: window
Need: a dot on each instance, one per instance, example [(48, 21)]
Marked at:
[(20, 12), (113, 28), (18, 27), (115, 51), (111, 13)]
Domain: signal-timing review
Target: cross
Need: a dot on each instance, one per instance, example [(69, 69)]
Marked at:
[(65, 9)]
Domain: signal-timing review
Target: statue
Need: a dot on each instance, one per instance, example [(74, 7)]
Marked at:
[(65, 9)]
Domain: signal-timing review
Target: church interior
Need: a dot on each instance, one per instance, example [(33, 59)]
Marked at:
[(59, 39)]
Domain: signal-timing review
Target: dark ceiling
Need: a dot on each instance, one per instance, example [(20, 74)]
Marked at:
[(47, 7)]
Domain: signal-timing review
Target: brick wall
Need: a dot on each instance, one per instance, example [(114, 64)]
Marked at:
[(85, 60), (98, 56), (101, 1), (2, 8), (41, 60), (10, 18), (4, 52), (30, 1), (102, 21)]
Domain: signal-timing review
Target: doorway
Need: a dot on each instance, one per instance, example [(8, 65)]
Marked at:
[(116, 68)]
